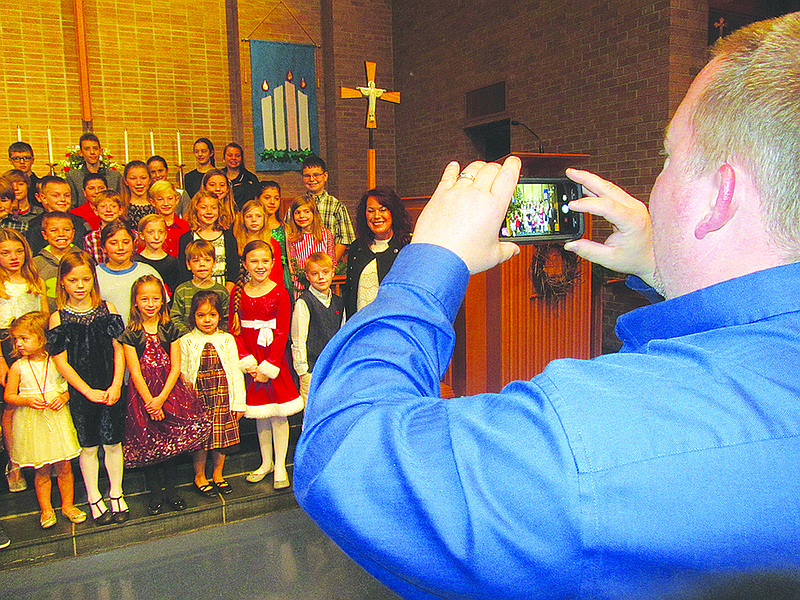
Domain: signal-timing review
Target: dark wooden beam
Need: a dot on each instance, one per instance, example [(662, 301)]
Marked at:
[(234, 70)]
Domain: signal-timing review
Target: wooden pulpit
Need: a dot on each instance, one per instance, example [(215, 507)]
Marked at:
[(505, 330)]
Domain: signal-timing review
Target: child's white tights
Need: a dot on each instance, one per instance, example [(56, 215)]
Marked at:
[(273, 434), (90, 469)]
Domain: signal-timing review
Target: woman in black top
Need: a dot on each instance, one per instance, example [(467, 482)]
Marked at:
[(384, 227)]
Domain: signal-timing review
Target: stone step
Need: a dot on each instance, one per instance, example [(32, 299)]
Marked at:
[(30, 544)]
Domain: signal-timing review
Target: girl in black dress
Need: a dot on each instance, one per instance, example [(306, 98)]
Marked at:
[(83, 344)]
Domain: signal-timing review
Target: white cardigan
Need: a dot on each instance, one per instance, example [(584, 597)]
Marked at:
[(192, 345)]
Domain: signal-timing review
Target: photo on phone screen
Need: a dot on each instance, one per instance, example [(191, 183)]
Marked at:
[(538, 212)]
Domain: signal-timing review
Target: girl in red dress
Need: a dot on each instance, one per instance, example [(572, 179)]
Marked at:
[(260, 319)]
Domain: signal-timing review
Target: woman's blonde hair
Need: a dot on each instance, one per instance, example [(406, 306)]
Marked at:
[(28, 271)]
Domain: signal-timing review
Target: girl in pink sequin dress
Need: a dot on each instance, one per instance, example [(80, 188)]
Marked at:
[(260, 319), (165, 416)]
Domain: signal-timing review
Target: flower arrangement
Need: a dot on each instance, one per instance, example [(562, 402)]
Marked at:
[(285, 156), (73, 160)]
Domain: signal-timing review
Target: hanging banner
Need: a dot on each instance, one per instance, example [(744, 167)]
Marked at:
[(285, 127)]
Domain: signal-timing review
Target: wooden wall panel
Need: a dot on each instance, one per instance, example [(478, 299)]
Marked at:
[(536, 331)]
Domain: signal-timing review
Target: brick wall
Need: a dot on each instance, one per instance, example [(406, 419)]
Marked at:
[(153, 66), (349, 32), (588, 77), (356, 31), (599, 77), (274, 22)]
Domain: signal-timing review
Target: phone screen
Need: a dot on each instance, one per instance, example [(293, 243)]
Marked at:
[(538, 212)]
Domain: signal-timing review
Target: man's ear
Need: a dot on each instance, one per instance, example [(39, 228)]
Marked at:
[(724, 208)]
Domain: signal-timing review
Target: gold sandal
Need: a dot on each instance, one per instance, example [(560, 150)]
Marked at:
[(74, 514), (47, 519)]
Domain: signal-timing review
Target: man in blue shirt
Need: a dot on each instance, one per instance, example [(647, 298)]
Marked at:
[(627, 476)]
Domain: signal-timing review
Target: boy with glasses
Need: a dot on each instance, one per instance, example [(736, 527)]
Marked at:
[(334, 214), (20, 155)]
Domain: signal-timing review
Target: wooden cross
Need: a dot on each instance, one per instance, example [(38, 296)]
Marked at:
[(372, 93)]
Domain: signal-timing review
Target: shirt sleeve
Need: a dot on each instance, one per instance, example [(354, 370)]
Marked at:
[(300, 319), (464, 497), (178, 312), (344, 232)]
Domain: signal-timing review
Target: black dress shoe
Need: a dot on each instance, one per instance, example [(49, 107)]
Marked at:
[(154, 508), (177, 503), (120, 515), (104, 516)]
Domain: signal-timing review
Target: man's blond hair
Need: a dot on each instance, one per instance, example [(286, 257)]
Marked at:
[(749, 113)]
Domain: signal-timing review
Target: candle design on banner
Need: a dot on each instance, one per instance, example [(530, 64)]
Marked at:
[(284, 116)]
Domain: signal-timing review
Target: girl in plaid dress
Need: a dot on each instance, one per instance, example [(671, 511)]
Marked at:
[(210, 361)]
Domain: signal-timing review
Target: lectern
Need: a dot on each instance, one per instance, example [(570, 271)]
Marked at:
[(506, 330)]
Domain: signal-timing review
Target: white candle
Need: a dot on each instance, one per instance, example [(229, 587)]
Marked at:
[(126, 147), (180, 160), (267, 122), (19, 133), (280, 119), (152, 144), (291, 115), (50, 146), (302, 117)]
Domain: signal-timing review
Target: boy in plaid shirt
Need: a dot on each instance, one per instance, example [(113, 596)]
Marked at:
[(109, 206)]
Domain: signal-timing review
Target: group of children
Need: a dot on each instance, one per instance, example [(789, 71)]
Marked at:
[(135, 354)]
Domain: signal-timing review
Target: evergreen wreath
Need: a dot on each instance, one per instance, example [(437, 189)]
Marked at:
[(549, 285), (285, 156)]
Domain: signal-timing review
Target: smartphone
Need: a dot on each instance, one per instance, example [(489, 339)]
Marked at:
[(538, 212)]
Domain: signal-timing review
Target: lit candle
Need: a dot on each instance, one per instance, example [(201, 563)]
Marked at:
[(19, 133), (291, 116), (152, 144), (126, 147), (180, 160), (50, 146)]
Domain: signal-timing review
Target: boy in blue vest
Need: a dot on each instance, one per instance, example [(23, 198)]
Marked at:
[(318, 314)]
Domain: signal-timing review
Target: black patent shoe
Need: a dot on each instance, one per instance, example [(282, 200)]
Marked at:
[(100, 513), (177, 503), (119, 509)]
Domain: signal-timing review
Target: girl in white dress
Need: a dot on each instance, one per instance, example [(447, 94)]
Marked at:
[(21, 291), (42, 431)]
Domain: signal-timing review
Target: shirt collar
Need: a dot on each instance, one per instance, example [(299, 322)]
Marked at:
[(321, 196), (324, 298), (738, 301)]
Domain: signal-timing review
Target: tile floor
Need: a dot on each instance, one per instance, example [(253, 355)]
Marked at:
[(282, 555)]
